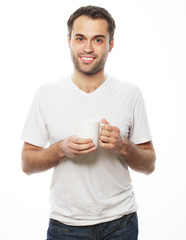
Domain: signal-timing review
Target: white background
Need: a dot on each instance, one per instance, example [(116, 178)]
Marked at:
[(150, 51)]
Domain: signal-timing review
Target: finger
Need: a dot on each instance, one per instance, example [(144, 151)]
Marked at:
[(78, 140), (108, 127), (108, 134), (106, 145), (105, 133), (105, 139), (81, 147), (87, 151), (104, 121), (76, 152)]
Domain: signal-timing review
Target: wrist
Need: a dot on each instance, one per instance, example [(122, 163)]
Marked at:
[(60, 151), (126, 148)]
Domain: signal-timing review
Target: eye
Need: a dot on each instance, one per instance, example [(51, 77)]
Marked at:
[(79, 39), (98, 40)]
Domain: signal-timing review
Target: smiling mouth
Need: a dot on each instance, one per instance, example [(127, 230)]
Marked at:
[(87, 59)]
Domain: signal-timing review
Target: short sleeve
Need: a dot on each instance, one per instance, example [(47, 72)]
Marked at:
[(140, 129), (35, 130)]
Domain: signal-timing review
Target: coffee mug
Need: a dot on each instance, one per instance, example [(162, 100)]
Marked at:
[(89, 128)]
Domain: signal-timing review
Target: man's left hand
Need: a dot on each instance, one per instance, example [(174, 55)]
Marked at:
[(111, 138)]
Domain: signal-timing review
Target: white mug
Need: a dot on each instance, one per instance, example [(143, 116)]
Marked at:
[(89, 128)]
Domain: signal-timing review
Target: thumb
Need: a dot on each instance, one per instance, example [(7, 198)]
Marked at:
[(104, 121)]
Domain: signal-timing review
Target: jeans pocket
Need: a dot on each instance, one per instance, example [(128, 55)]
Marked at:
[(125, 228), (132, 217), (127, 220), (57, 229)]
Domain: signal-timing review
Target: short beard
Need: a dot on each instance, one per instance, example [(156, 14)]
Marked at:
[(95, 69)]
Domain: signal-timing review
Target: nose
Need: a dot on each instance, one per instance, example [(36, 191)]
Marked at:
[(88, 48)]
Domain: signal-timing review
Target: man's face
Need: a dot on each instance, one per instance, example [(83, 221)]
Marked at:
[(89, 44)]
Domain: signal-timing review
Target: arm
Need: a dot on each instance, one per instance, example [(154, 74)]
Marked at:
[(140, 158), (36, 159)]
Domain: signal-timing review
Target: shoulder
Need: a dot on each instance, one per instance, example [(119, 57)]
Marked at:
[(124, 87), (53, 87)]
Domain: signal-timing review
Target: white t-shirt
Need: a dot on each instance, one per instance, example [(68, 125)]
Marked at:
[(93, 188)]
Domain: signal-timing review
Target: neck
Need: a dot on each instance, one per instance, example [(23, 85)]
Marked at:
[(88, 83)]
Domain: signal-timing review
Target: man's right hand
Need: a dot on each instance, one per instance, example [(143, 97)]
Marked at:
[(74, 146), (38, 159)]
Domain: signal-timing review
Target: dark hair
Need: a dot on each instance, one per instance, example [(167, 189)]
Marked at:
[(93, 12)]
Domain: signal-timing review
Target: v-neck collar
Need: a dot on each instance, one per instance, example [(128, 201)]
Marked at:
[(96, 91)]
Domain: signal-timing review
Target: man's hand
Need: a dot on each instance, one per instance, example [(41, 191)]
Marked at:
[(74, 146), (111, 138), (37, 159), (140, 158)]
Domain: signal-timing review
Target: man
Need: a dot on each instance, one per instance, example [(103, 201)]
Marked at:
[(91, 192)]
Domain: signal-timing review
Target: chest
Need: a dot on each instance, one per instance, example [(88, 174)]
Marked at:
[(62, 113)]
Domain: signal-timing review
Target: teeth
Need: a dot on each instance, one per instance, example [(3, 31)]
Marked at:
[(87, 58)]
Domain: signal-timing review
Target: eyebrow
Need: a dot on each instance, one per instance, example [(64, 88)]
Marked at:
[(96, 36)]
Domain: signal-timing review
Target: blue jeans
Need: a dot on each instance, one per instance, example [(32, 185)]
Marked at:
[(124, 228)]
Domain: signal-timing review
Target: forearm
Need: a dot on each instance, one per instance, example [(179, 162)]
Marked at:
[(139, 158), (36, 159)]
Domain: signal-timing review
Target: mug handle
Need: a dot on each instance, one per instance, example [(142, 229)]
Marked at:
[(100, 125)]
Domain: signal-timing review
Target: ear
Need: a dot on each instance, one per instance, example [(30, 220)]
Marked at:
[(68, 39), (111, 45)]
